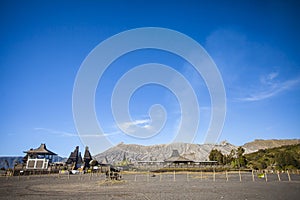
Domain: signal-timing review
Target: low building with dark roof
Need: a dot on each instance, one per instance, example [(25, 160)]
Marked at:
[(177, 159)]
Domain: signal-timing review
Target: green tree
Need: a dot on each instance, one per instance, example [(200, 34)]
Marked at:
[(216, 155), (285, 159), (230, 157), (239, 159), (240, 152), (262, 165)]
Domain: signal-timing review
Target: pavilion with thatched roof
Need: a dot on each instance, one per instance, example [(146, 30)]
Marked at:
[(177, 159), (40, 152), (38, 158)]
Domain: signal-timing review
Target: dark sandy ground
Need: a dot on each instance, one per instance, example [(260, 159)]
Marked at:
[(143, 186)]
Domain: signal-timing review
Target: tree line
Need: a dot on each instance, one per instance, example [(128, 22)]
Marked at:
[(280, 158)]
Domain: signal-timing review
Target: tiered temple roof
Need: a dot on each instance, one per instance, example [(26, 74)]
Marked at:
[(41, 150)]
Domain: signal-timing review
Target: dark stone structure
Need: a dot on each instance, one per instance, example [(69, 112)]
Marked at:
[(75, 158), (87, 157)]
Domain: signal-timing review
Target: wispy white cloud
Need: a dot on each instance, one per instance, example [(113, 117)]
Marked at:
[(129, 127), (68, 134), (241, 59), (270, 87)]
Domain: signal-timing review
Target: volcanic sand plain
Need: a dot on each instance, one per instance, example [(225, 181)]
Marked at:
[(149, 186)]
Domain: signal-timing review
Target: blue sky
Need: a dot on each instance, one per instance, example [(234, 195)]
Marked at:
[(254, 44)]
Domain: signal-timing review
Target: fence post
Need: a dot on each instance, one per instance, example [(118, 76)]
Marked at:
[(266, 176), (174, 177), (187, 176), (148, 176), (226, 175), (214, 175), (288, 173), (240, 175), (253, 179), (201, 175), (278, 175)]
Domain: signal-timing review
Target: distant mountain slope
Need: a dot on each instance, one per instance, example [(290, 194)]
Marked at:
[(283, 157), (133, 152), (196, 152), (10, 160), (267, 144)]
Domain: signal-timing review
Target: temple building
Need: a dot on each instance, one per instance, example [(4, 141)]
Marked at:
[(176, 159), (38, 158), (75, 159), (87, 158)]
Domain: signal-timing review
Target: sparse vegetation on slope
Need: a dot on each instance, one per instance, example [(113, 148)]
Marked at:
[(279, 158)]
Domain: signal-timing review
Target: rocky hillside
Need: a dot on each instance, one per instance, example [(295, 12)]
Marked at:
[(10, 161), (133, 152), (196, 152), (267, 144)]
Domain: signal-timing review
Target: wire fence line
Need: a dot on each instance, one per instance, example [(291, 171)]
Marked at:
[(213, 176), (226, 176)]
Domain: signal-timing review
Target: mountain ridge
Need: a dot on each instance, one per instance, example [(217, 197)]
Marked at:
[(196, 152), (267, 144)]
